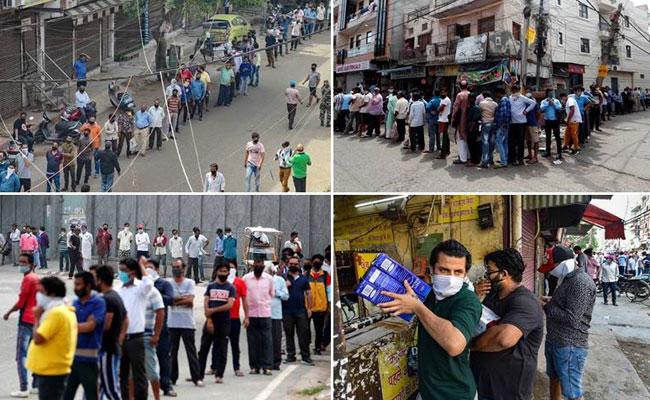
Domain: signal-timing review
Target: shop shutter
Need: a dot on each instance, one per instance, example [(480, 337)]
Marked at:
[(528, 231), (58, 46), (127, 36), (10, 50), (88, 41)]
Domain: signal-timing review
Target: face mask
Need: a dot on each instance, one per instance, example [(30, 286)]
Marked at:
[(42, 300), (495, 283), (152, 273), (255, 140), (176, 272), (228, 234), (316, 266), (222, 278), (140, 231), (294, 270), (81, 293), (105, 228), (258, 270), (24, 269), (124, 277), (563, 269), (446, 286)]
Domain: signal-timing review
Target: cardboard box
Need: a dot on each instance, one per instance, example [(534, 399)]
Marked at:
[(401, 274)]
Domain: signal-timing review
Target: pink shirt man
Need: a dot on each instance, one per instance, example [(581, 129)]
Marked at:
[(260, 294), (255, 153), (28, 243)]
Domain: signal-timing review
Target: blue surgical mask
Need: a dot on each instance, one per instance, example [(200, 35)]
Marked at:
[(124, 277), (24, 269)]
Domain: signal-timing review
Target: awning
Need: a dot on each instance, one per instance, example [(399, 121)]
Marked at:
[(89, 9), (385, 72), (538, 202), (613, 225)]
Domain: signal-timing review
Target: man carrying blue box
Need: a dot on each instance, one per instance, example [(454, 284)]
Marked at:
[(446, 321)]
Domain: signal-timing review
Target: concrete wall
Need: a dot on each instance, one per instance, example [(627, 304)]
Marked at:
[(308, 215)]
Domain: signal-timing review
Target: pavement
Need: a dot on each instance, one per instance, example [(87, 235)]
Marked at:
[(609, 373), (294, 381), (224, 131), (615, 160)]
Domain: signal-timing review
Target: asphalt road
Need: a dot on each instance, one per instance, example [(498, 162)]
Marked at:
[(616, 160), (288, 383), (224, 131)]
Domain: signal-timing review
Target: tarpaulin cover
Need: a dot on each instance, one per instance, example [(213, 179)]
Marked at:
[(613, 225)]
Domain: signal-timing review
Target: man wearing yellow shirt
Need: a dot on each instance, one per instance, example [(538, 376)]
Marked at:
[(54, 339), (205, 78)]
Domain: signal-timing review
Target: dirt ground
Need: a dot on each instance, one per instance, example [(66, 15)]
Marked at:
[(639, 356)]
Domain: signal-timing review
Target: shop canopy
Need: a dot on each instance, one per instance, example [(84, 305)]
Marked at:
[(613, 225)]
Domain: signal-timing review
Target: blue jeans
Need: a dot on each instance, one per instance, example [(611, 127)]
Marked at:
[(224, 98), (256, 76), (23, 337), (201, 271), (37, 259), (487, 143), (252, 170), (243, 84), (95, 155), (53, 178), (566, 364), (107, 182), (434, 136), (64, 256), (502, 144)]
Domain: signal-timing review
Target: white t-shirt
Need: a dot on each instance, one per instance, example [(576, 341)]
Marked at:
[(571, 102), (176, 246), (366, 101), (194, 246), (135, 299), (444, 115), (214, 183), (142, 241), (402, 108), (124, 239)]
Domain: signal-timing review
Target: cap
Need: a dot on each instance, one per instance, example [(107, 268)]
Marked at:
[(140, 226), (555, 255)]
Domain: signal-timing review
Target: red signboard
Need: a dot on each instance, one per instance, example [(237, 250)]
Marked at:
[(576, 69)]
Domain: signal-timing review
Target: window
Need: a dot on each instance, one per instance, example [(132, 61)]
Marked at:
[(424, 40), (352, 43), (584, 45), (486, 25), (642, 76), (628, 51), (559, 2), (463, 31), (626, 20), (560, 39), (410, 31), (369, 37), (583, 11), (516, 31), (425, 26)]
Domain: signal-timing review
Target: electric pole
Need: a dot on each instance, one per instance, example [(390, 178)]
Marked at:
[(524, 47), (610, 44), (541, 43)]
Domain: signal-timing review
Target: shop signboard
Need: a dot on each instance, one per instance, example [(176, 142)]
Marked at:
[(396, 383), (472, 49), (576, 69), (353, 67), (483, 77), (602, 71), (459, 208), (415, 72), (366, 232)]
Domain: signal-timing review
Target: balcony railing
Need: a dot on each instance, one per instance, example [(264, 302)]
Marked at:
[(413, 56), (445, 49), (361, 49), (361, 16)]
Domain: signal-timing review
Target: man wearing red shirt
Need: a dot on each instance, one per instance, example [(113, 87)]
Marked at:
[(25, 304), (185, 73), (235, 322), (103, 242)]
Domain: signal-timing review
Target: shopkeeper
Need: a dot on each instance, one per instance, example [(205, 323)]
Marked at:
[(446, 321)]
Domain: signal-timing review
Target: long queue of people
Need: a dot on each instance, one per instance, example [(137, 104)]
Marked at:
[(484, 121), (115, 341)]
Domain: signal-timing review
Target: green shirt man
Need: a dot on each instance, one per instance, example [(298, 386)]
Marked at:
[(227, 75), (299, 163), (447, 319)]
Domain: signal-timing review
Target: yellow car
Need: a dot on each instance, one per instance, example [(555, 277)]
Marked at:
[(226, 27)]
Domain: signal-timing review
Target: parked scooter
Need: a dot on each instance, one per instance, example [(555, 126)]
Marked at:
[(124, 99), (67, 126)]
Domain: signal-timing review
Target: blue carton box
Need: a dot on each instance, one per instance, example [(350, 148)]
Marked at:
[(401, 274), (373, 294), (380, 279)]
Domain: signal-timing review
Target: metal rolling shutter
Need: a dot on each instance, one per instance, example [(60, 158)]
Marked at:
[(10, 51), (127, 36), (58, 46), (88, 41), (528, 231)]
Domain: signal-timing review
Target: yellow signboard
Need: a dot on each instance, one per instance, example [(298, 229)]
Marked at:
[(602, 71), (532, 35), (362, 263), (459, 208), (368, 231), (396, 384)]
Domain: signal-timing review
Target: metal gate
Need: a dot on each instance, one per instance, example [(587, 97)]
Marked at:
[(10, 54), (528, 232), (88, 41), (58, 47), (127, 36)]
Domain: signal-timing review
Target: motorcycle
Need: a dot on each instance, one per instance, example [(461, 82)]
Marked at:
[(123, 99), (67, 126)]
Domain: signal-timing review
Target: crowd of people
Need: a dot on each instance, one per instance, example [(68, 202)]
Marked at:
[(116, 339), (486, 121), (466, 352)]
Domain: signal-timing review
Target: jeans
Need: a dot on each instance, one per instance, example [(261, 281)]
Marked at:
[(69, 177), (53, 178), (516, 142), (224, 98), (296, 325), (107, 182), (487, 143), (197, 105), (25, 184), (260, 344), (84, 374), (141, 253), (354, 118), (252, 171), (502, 144), (319, 325), (162, 260), (109, 383), (276, 333), (201, 271), (64, 256), (43, 257), (219, 343), (173, 126), (175, 335), (164, 352), (81, 165), (552, 127), (566, 364), (255, 80), (23, 337), (51, 387), (416, 137), (291, 110), (132, 363), (97, 163), (243, 85), (609, 287), (434, 135), (235, 330), (300, 184)]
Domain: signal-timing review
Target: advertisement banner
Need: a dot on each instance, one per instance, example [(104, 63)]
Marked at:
[(494, 74), (362, 262), (471, 49), (396, 384), (459, 208), (366, 232)]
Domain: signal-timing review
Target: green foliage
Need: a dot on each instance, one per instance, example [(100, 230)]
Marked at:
[(202, 7)]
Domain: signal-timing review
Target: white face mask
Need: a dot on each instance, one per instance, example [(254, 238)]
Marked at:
[(563, 269), (446, 286), (42, 300), (152, 273)]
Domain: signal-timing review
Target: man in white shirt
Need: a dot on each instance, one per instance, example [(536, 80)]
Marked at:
[(320, 16), (609, 276), (294, 244), (124, 240), (401, 112), (157, 117), (417, 118), (14, 236), (136, 285), (443, 123), (573, 121), (81, 98), (175, 245), (142, 243), (86, 247), (214, 180), (195, 248)]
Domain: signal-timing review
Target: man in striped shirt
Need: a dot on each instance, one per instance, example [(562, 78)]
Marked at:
[(282, 156), (173, 107)]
